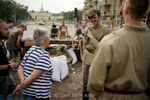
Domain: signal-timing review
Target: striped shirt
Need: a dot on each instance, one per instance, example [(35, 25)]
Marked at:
[(38, 59)]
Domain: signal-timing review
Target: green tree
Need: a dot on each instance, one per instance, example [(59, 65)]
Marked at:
[(80, 12), (49, 18), (9, 8), (70, 15), (6, 9)]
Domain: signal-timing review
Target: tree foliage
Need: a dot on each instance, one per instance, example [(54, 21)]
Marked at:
[(9, 9), (70, 15)]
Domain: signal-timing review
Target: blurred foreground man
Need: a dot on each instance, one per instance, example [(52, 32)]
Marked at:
[(92, 37), (7, 85), (121, 66), (122, 20)]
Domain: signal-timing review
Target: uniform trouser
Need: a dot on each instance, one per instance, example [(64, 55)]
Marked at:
[(13, 50), (7, 85), (85, 74), (62, 35)]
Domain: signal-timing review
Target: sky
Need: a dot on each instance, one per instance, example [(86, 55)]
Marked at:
[(53, 6)]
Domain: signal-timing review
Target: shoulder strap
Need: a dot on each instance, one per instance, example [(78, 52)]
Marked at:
[(4, 48)]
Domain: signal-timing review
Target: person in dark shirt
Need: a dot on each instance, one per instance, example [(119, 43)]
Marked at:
[(6, 83), (54, 31), (78, 31)]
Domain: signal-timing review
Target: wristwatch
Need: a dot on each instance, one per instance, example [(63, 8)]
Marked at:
[(8, 66)]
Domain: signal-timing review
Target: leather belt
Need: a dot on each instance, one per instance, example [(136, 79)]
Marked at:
[(91, 51), (120, 92)]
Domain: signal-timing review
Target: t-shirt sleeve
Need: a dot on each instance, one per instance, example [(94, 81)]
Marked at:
[(20, 33), (44, 63)]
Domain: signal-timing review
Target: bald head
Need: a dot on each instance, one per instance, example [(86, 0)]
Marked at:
[(4, 33)]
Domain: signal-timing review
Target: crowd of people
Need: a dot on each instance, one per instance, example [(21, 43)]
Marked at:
[(61, 32), (35, 70), (115, 64)]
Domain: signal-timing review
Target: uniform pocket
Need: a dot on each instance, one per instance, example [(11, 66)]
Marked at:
[(87, 58)]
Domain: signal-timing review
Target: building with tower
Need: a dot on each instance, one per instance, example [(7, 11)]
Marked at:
[(41, 15)]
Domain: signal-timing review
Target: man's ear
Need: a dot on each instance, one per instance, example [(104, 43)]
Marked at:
[(45, 39), (100, 17), (127, 9)]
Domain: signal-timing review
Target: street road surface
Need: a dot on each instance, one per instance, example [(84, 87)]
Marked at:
[(30, 28)]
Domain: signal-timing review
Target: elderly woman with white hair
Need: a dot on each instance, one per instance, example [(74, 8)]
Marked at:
[(36, 70)]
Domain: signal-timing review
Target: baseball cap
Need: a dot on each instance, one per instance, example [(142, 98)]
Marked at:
[(24, 25), (92, 12)]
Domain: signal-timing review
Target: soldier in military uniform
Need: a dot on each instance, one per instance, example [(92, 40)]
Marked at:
[(62, 31), (121, 66), (13, 42), (92, 37)]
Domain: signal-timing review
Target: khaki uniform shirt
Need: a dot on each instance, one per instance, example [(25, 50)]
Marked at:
[(63, 32), (14, 36), (121, 62), (145, 26), (99, 32)]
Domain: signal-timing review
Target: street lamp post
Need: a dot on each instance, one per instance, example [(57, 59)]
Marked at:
[(75, 15), (15, 16), (98, 4), (116, 15), (98, 7)]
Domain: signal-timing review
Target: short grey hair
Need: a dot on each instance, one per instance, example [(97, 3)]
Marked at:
[(39, 36)]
